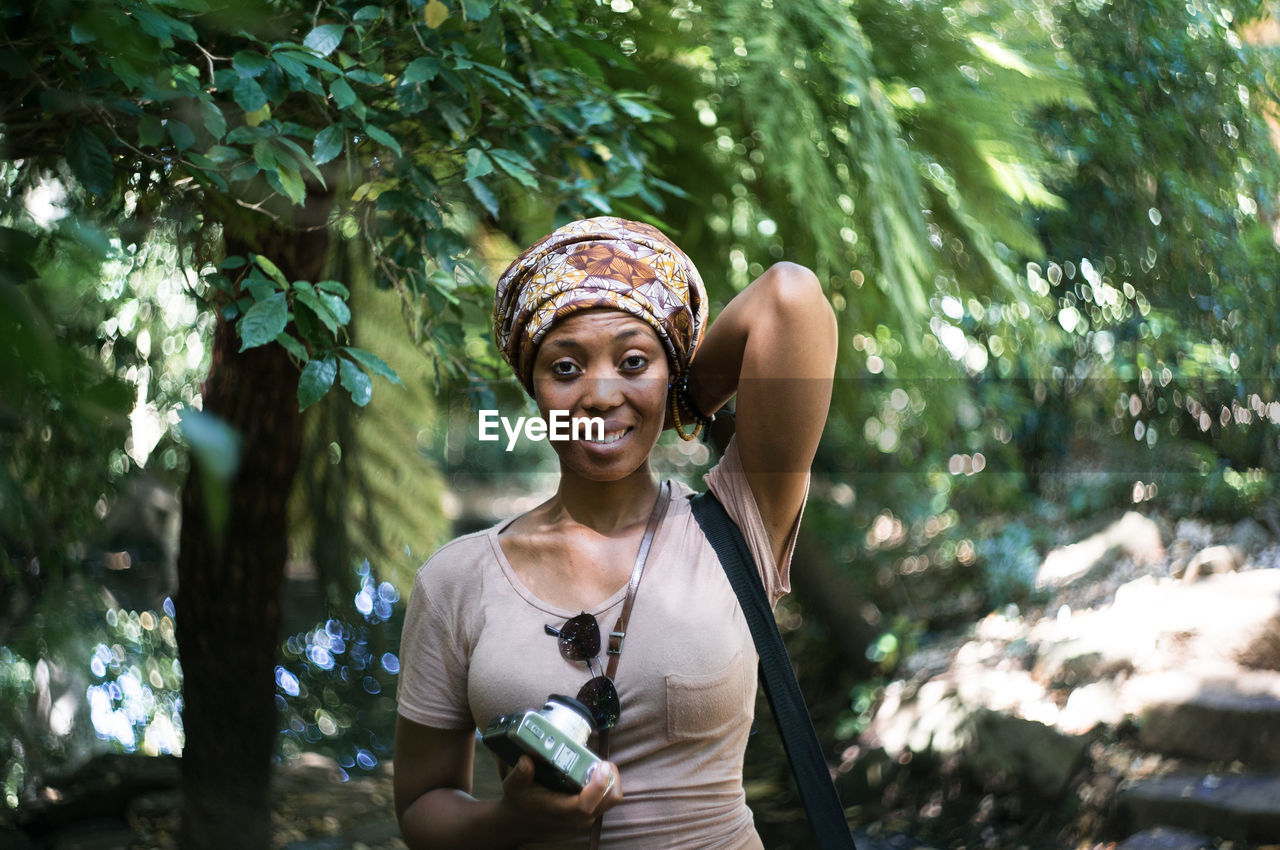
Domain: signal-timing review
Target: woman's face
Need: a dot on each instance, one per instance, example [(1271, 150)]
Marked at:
[(607, 364)]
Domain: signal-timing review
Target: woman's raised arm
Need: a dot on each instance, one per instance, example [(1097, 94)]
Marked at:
[(774, 345)]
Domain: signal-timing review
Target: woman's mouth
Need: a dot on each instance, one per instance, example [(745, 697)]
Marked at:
[(610, 437)]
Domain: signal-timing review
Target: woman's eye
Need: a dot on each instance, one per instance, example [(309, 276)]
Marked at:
[(635, 362), (563, 368)]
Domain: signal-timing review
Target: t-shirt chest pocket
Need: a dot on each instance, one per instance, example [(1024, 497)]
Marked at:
[(706, 705)]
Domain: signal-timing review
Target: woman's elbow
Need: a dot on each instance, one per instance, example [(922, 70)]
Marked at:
[(796, 297)]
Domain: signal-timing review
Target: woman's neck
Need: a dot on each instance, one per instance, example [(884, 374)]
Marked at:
[(606, 506)]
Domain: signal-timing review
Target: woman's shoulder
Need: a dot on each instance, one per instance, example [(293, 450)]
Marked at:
[(458, 560)]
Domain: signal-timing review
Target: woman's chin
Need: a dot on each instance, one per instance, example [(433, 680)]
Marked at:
[(605, 460)]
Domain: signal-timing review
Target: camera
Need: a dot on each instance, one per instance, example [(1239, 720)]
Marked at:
[(555, 738)]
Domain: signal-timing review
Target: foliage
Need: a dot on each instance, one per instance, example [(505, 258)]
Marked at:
[(812, 132), (56, 403), (372, 485), (1009, 563), (1166, 281), (212, 116)]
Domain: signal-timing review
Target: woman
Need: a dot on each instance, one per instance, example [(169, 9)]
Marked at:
[(603, 318)]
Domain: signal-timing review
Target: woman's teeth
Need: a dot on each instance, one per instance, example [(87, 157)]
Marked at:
[(611, 438)]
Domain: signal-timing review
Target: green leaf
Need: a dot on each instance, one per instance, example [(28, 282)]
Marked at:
[(293, 66), (383, 138), (598, 201), (325, 38), (335, 287), (456, 119), (271, 270), (422, 70), (336, 305), (374, 364), (367, 13), (244, 171), (313, 302), (365, 77), (89, 160), (180, 133), (243, 134), (249, 95), (317, 378), (634, 108), (249, 64), (150, 131), (215, 444), (476, 10), (158, 26), (264, 154), (328, 144), (357, 382), (264, 321), (412, 98), (307, 58), (258, 287), (290, 182), (343, 94), (484, 196), (222, 155), (478, 164), (517, 166), (292, 345), (82, 33), (299, 157), (214, 121)]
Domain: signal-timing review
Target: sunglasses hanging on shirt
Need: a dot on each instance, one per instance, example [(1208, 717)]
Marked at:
[(579, 640)]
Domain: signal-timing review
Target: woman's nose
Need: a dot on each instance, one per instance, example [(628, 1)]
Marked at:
[(603, 390)]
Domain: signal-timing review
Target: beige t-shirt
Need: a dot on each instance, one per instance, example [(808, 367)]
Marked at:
[(474, 647)]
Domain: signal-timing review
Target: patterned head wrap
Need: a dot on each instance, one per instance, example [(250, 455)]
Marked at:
[(599, 262)]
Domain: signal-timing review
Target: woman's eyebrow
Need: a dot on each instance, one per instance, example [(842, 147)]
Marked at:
[(578, 345), (564, 342)]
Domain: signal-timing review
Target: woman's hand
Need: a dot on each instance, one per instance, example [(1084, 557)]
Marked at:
[(544, 810), (436, 809)]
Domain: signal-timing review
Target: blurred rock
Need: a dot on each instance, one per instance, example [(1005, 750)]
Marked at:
[(1133, 535), (1240, 807), (1007, 753), (101, 789), (1211, 561), (1249, 536), (1162, 838), (1210, 718), (1001, 751), (1077, 663), (1095, 704)]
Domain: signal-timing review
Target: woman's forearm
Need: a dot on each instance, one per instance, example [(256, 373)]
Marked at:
[(448, 818)]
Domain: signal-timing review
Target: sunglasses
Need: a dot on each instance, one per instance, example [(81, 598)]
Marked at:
[(579, 640)]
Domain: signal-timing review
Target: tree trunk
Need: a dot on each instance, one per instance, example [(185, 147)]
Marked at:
[(228, 607)]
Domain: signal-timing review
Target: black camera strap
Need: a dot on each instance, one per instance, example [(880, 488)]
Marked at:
[(619, 632), (817, 790)]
